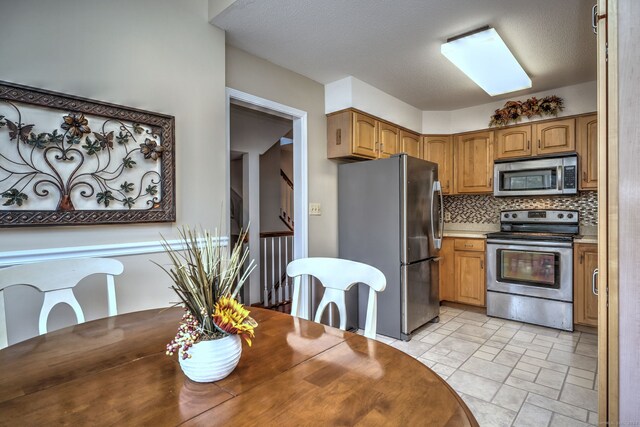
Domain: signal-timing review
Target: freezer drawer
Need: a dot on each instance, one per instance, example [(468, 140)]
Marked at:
[(420, 296)]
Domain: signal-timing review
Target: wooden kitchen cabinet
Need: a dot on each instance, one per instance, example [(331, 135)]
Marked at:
[(351, 133), (388, 140), (556, 136), (462, 271), (473, 163), (410, 143), (439, 149), (447, 272), (513, 142), (587, 146), (585, 303)]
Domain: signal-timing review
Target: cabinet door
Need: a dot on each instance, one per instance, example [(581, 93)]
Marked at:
[(410, 143), (587, 144), (585, 306), (447, 272), (555, 137), (513, 142), (470, 277), (439, 149), (474, 163), (388, 138), (364, 136)]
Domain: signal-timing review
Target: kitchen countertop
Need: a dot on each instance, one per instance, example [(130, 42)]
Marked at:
[(587, 239), (469, 231)]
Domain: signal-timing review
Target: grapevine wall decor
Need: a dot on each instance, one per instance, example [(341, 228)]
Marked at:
[(66, 160), (513, 111)]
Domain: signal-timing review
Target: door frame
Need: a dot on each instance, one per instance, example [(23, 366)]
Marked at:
[(300, 168)]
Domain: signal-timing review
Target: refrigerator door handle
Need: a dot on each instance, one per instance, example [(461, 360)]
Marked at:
[(437, 241)]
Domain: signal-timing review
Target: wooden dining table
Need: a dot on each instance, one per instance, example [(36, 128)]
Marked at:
[(115, 371)]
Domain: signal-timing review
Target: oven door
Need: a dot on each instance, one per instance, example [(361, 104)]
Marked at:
[(531, 268)]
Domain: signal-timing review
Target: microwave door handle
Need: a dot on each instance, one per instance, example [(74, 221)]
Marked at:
[(559, 184)]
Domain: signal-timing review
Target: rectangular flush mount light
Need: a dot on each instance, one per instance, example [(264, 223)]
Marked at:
[(483, 56)]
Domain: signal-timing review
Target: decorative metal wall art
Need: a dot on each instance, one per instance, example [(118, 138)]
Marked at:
[(66, 160)]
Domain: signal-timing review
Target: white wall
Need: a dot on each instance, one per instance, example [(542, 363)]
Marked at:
[(578, 99), (629, 204), (258, 77), (158, 55), (351, 92)]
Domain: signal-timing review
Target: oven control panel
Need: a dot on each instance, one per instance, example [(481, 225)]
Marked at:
[(540, 216)]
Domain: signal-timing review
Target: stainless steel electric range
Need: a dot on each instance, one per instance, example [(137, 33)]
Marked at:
[(530, 267)]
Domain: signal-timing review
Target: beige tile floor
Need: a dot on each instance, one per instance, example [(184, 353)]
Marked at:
[(510, 373)]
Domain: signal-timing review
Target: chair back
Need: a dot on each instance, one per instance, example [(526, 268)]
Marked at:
[(338, 276), (56, 279)]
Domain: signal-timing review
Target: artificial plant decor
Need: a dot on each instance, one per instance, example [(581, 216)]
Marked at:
[(207, 277), (514, 111)]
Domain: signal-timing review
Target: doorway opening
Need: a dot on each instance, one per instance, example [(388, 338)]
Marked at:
[(267, 191)]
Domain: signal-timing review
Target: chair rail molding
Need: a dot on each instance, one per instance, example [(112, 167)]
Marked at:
[(8, 258)]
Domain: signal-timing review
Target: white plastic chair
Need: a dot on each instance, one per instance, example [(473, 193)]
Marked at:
[(56, 279), (338, 276)]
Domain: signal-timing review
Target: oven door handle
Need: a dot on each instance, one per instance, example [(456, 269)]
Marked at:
[(594, 281)]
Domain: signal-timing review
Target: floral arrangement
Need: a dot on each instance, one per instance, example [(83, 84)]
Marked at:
[(207, 278), (515, 110)]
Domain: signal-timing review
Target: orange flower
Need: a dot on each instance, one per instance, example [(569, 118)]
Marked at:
[(231, 317)]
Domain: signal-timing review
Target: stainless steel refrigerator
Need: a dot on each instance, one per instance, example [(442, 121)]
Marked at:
[(390, 216)]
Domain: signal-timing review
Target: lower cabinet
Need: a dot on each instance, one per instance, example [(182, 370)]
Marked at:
[(585, 303), (462, 271)]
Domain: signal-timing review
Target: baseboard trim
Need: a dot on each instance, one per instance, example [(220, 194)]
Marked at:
[(8, 258)]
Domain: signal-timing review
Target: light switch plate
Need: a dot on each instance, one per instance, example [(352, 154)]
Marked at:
[(314, 209), (447, 216)]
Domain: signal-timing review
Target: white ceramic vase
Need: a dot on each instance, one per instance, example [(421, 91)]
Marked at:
[(212, 360)]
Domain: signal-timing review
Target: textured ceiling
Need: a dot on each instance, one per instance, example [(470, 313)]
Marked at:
[(395, 45)]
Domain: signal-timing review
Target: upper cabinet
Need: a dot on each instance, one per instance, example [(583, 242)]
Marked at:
[(587, 145), (474, 163), (388, 140), (549, 137), (556, 136), (513, 142), (410, 143), (439, 149), (355, 134)]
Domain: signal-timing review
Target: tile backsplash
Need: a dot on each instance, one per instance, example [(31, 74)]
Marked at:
[(485, 208)]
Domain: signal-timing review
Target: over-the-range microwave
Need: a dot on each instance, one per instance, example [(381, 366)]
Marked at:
[(547, 176)]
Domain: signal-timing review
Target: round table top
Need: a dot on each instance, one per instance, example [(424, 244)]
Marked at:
[(115, 371)]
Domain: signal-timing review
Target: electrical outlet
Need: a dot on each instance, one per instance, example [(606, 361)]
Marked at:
[(314, 209), (447, 216)]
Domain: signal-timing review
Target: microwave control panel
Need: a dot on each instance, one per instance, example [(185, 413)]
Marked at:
[(569, 177)]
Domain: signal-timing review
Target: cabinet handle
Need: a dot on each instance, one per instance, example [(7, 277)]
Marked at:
[(584, 176), (481, 265), (581, 258), (490, 182), (381, 147), (594, 19), (528, 144), (338, 136), (538, 144), (467, 245), (447, 185), (594, 280)]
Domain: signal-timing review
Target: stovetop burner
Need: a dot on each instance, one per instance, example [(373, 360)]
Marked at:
[(549, 237), (545, 225)]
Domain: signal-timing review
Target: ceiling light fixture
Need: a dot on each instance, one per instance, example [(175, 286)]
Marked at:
[(482, 55)]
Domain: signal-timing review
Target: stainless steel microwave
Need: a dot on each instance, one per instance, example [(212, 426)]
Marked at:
[(536, 177)]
